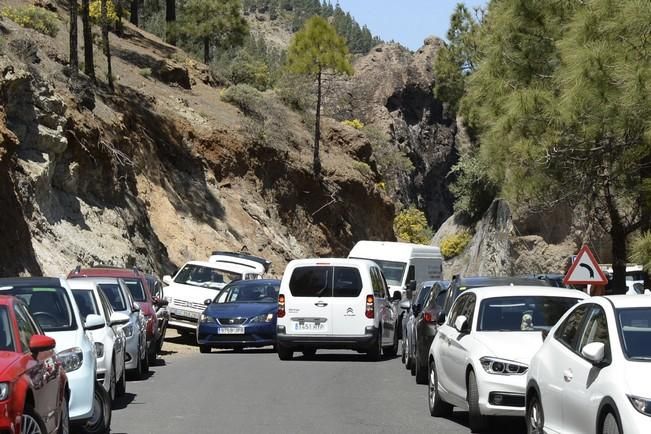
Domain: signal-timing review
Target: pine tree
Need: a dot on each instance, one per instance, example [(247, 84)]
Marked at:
[(74, 55), (105, 43), (89, 63), (170, 20), (315, 50)]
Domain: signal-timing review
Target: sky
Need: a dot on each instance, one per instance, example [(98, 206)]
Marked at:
[(406, 21)]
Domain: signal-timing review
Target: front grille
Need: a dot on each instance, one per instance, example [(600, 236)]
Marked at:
[(506, 399), (187, 304), (231, 321)]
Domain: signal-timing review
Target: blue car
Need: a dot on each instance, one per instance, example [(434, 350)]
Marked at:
[(242, 315)]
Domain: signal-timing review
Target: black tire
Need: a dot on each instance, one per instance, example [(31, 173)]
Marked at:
[(412, 366), (476, 420), (421, 371), (403, 351), (162, 339), (205, 349), (610, 425), (392, 351), (138, 372), (151, 356), (122, 384), (535, 417), (32, 422), (64, 418), (308, 353), (285, 353), (145, 364), (113, 383), (374, 353), (437, 407), (183, 331), (100, 421)]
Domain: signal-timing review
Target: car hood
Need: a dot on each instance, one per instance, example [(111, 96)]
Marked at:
[(244, 310), (516, 346), (195, 294), (7, 360), (637, 379), (68, 339)]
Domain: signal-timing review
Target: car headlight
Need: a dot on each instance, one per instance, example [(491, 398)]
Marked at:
[(264, 318), (4, 391), (71, 359), (207, 319), (99, 350), (494, 365), (128, 330), (641, 404)]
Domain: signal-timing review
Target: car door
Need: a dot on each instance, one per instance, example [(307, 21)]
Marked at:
[(443, 357), (116, 333), (43, 371), (581, 396), (558, 359), (389, 309), (309, 302), (350, 286), (458, 349)]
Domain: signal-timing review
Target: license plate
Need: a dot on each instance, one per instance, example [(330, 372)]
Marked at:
[(185, 313), (309, 327), (231, 331)]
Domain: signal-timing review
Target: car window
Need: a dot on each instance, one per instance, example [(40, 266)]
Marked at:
[(440, 298), (113, 295), (596, 329), (136, 289), (85, 302), (568, 332), (376, 281), (25, 328), (522, 312), (347, 282), (456, 310), (105, 306), (49, 306), (205, 277), (423, 295), (469, 309), (411, 274), (6, 334), (634, 325)]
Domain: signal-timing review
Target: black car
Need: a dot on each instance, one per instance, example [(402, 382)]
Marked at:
[(411, 306), (423, 329)]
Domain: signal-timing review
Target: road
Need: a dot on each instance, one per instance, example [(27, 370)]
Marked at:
[(253, 391)]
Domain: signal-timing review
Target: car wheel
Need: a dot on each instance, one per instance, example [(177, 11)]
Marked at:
[(162, 339), (403, 351), (112, 382), (153, 350), (145, 364), (205, 349), (64, 418), (100, 420), (476, 420), (610, 425), (285, 353), (122, 384), (31, 422), (375, 352), (309, 352), (391, 351), (421, 371), (535, 417), (437, 407), (412, 365)]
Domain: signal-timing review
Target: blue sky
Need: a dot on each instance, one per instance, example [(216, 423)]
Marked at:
[(406, 21)]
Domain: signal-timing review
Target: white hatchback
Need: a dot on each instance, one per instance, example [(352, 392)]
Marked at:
[(338, 304), (593, 374), (481, 353)]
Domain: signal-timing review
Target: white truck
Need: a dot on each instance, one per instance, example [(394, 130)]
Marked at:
[(401, 263), (198, 281)]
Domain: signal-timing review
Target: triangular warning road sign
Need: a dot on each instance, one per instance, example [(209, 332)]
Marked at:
[(585, 270)]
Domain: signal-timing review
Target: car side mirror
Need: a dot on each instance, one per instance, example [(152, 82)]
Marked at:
[(405, 304), (441, 318), (167, 280), (397, 296), (594, 352), (207, 302), (135, 307), (461, 324), (118, 318), (409, 294), (411, 286), (40, 343), (94, 322), (638, 287)]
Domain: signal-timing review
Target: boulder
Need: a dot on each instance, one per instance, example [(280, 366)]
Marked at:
[(172, 73)]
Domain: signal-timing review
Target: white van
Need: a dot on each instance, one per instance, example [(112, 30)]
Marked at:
[(402, 263), (338, 304)]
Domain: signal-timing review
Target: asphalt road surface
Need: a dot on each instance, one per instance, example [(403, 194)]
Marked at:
[(253, 391)]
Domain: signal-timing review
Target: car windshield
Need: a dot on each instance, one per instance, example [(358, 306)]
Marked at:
[(206, 277), (85, 302), (635, 328), (393, 271), (422, 294), (136, 289), (249, 293), (6, 336), (522, 313), (114, 295), (50, 306), (325, 281)]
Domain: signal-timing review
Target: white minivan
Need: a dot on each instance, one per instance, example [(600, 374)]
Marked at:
[(402, 263), (337, 304)]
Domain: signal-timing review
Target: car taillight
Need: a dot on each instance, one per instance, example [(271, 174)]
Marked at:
[(427, 317), (370, 306), (281, 306)]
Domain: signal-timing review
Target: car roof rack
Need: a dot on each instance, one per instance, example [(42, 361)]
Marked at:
[(264, 262)]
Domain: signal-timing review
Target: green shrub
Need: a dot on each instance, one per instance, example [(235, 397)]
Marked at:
[(454, 244), (363, 168), (95, 11), (472, 189), (411, 226), (249, 99), (39, 19), (246, 70), (640, 250), (145, 72), (355, 123)]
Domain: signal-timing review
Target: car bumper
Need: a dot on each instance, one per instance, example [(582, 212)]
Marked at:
[(175, 323), (9, 422), (501, 395), (258, 335), (132, 352), (356, 342), (633, 422), (425, 338), (82, 387)]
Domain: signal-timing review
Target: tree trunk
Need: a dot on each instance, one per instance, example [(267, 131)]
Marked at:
[(170, 17), (618, 237), (316, 167), (206, 50), (89, 64), (134, 12), (74, 55), (105, 43)]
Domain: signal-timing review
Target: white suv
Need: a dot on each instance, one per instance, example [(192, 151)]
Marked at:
[(109, 340), (592, 373), (336, 303)]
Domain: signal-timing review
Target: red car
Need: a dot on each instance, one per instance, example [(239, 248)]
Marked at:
[(137, 282), (33, 385)]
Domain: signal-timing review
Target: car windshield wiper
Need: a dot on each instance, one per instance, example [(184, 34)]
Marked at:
[(646, 358)]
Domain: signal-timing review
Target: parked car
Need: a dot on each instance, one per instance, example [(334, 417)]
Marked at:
[(336, 303), (243, 314), (410, 306), (482, 350), (135, 331), (29, 368), (198, 281), (592, 373), (109, 340), (136, 281), (162, 311), (424, 327), (51, 303)]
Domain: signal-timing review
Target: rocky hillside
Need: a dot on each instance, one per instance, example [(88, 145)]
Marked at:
[(159, 171)]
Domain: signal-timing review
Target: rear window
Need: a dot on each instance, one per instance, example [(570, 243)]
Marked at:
[(85, 302), (136, 289), (325, 282)]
